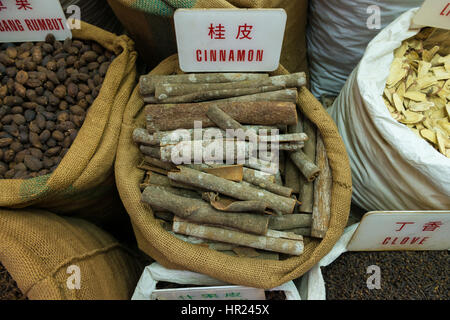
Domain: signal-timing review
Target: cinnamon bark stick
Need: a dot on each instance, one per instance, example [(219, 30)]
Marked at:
[(141, 136), (322, 193), (168, 166), (199, 211), (287, 95), (163, 117), (305, 232), (151, 151), (233, 189), (223, 120), (290, 221), (306, 166), (215, 94), (230, 205), (148, 82), (178, 89), (292, 247), (307, 188), (291, 176), (256, 179)]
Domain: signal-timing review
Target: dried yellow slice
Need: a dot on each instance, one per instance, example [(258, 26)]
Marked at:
[(436, 60), (401, 89), (410, 79), (441, 143), (441, 73), (428, 55), (398, 103), (412, 117), (401, 51), (429, 135), (389, 106), (388, 95), (424, 67), (447, 108), (432, 90), (416, 96), (420, 106), (424, 82), (397, 73)]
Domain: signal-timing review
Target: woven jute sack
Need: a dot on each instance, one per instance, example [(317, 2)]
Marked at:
[(49, 255), (84, 180), (176, 254), (150, 24)]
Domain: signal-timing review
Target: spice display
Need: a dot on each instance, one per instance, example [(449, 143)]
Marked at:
[(417, 91), (404, 275), (46, 90), (241, 206)]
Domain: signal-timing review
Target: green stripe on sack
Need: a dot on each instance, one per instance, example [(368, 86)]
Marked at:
[(34, 188), (162, 8)]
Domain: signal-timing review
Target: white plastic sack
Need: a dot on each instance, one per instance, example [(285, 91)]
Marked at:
[(392, 168), (313, 281), (155, 272), (338, 33)]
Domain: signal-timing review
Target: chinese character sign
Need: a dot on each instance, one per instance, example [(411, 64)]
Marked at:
[(229, 40), (32, 20), (434, 13), (402, 231)]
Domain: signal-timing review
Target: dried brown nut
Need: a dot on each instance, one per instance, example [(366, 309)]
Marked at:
[(60, 91), (33, 163)]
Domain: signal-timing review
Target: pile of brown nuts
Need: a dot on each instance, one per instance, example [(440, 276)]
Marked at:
[(46, 89)]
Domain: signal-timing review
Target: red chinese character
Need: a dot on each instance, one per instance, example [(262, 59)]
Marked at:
[(217, 32), (432, 226), (403, 224), (244, 32), (2, 7), (23, 4)]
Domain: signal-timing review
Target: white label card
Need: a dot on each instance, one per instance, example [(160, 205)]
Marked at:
[(434, 13), (210, 293), (32, 20), (402, 230), (225, 40)]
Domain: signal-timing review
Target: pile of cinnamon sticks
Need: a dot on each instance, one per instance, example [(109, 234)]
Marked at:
[(243, 205)]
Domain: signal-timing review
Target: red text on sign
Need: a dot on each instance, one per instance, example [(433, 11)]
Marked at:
[(244, 32), (432, 226), (23, 5), (216, 32), (403, 225), (404, 240), (446, 10), (213, 55), (46, 24)]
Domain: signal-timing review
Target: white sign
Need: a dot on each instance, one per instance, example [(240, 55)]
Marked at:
[(434, 13), (210, 293), (221, 40), (402, 230), (32, 20)]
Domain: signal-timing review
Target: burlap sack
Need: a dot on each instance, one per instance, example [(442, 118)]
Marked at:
[(150, 24), (39, 250), (176, 254), (84, 180)]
